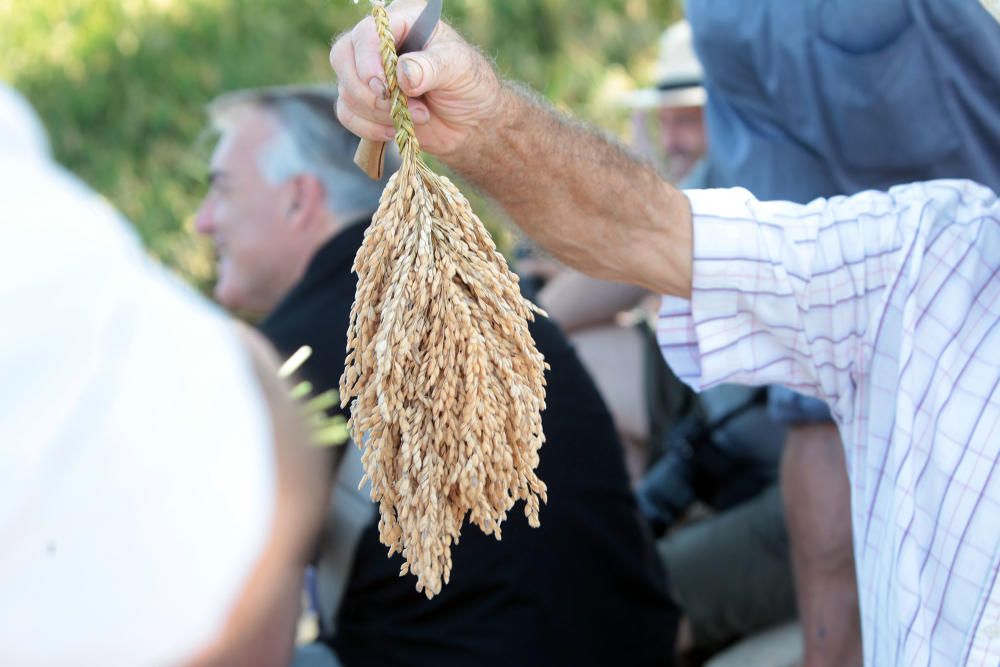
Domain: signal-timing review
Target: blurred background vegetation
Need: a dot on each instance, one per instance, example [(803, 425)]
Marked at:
[(122, 84)]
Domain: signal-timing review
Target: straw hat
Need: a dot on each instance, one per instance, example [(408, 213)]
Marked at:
[(678, 74)]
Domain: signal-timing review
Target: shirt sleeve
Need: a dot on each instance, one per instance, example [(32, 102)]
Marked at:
[(784, 293)]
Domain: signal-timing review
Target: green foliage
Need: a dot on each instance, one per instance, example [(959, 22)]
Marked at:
[(122, 84), (326, 427)]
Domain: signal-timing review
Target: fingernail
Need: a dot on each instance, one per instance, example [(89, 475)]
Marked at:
[(413, 73), (390, 134), (419, 115), (378, 88)]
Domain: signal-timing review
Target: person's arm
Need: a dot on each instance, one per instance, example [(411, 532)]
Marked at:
[(798, 294), (575, 301), (575, 192), (581, 196), (261, 626), (782, 293)]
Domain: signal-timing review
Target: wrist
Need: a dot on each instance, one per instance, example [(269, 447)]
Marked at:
[(500, 113)]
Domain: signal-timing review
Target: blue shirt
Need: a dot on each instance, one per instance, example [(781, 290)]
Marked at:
[(813, 98)]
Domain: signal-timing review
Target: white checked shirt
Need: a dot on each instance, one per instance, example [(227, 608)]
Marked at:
[(887, 305)]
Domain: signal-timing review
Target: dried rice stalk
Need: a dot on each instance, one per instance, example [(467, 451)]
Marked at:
[(445, 379)]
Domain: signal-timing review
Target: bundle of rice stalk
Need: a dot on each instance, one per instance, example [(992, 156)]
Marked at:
[(446, 382)]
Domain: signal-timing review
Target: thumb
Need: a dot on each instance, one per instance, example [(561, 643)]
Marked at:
[(433, 69)]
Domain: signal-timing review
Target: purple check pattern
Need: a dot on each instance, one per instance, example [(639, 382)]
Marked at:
[(886, 305)]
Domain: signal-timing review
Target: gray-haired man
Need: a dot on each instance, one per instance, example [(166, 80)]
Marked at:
[(277, 197)]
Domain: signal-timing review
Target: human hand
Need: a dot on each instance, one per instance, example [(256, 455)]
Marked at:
[(452, 89)]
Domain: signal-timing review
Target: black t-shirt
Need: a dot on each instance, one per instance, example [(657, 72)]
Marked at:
[(583, 589)]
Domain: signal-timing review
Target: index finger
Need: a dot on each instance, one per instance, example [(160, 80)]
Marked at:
[(367, 46)]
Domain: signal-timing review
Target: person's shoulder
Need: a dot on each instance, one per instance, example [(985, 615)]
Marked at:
[(319, 319), (961, 212), (310, 313), (884, 23), (961, 192)]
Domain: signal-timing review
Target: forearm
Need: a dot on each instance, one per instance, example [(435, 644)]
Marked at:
[(576, 301), (580, 196), (260, 629)]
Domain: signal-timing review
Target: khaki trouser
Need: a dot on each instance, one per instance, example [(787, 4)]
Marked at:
[(731, 573)]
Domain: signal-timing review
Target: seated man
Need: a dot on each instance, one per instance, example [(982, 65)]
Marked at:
[(157, 502), (287, 211)]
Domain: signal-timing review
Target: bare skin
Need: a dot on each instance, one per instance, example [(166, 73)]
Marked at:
[(614, 354), (817, 495), (260, 630), (578, 302)]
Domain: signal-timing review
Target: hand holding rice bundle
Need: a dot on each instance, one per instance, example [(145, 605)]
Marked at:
[(445, 383)]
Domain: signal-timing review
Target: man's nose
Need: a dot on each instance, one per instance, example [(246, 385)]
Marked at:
[(673, 142), (204, 220)]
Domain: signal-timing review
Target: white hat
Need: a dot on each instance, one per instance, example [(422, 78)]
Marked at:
[(678, 73), (137, 481), (21, 132)]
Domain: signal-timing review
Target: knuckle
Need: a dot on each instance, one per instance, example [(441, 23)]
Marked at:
[(366, 25), (337, 53), (344, 115), (358, 97)]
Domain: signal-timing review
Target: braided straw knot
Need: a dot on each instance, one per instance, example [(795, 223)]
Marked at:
[(406, 136), (445, 383)]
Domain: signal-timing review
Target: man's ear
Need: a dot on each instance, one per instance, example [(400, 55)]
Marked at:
[(307, 201)]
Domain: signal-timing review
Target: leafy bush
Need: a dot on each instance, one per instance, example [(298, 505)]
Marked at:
[(122, 84)]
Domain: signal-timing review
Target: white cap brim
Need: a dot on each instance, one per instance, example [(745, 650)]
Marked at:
[(653, 98)]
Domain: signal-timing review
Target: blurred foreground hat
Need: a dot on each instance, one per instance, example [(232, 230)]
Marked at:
[(678, 73), (21, 132), (137, 479)]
